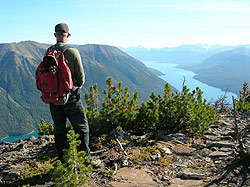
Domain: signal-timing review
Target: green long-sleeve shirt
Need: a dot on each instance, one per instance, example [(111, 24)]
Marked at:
[(75, 64)]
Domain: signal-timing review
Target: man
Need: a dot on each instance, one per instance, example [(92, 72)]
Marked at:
[(73, 109)]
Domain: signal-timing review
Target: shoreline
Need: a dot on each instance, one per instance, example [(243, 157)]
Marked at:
[(4, 138), (27, 133), (19, 135), (210, 93), (196, 77)]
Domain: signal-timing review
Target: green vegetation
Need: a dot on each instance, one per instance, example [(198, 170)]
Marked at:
[(144, 153), (116, 108), (153, 154), (243, 102), (176, 112), (44, 129), (184, 112), (73, 172), (21, 105), (29, 173)]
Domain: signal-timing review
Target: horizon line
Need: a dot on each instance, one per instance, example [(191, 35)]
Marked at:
[(139, 45)]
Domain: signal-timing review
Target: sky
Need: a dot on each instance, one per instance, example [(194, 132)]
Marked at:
[(128, 23)]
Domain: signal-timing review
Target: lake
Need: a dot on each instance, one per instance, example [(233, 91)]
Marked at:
[(15, 138), (175, 77)]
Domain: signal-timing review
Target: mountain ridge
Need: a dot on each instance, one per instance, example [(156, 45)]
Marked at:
[(220, 66), (227, 70), (183, 54), (21, 100)]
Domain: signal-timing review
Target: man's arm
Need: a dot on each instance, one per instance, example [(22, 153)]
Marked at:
[(78, 71)]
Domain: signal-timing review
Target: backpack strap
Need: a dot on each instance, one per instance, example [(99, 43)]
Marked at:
[(63, 49), (49, 49)]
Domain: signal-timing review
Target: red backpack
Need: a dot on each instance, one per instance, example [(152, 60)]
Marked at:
[(53, 77)]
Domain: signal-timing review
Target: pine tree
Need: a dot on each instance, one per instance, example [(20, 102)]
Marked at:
[(44, 129), (74, 171), (243, 103), (185, 112)]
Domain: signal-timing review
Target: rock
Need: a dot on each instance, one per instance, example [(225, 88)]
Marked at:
[(143, 137), (176, 137), (125, 163), (41, 142), (207, 159), (188, 174), (224, 123), (214, 148), (198, 146), (49, 138), (11, 175), (185, 183), (165, 178), (13, 167), (183, 160), (19, 147), (227, 138), (133, 177), (225, 149), (183, 150), (228, 133), (204, 152), (211, 133), (19, 141), (164, 146), (212, 137), (130, 137), (179, 137), (4, 143), (166, 150), (155, 156), (221, 144), (32, 138), (219, 154)]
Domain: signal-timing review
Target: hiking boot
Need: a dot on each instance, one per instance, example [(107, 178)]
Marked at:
[(97, 163)]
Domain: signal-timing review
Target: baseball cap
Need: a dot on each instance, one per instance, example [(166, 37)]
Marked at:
[(62, 28)]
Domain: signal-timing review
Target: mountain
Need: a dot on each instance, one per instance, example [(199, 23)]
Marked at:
[(102, 61), (21, 107), (183, 55), (226, 70), (20, 103)]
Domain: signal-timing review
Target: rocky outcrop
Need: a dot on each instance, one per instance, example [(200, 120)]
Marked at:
[(15, 156), (213, 159)]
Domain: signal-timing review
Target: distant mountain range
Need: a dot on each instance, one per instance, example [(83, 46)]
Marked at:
[(21, 108), (226, 70), (184, 54), (225, 67)]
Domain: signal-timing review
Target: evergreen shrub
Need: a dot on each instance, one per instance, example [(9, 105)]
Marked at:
[(74, 171), (243, 102), (44, 129), (184, 112)]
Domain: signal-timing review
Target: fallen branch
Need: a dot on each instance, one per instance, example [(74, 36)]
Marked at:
[(239, 138), (99, 151), (119, 143), (116, 168), (228, 169)]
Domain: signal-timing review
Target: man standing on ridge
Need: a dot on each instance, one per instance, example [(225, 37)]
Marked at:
[(73, 109)]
